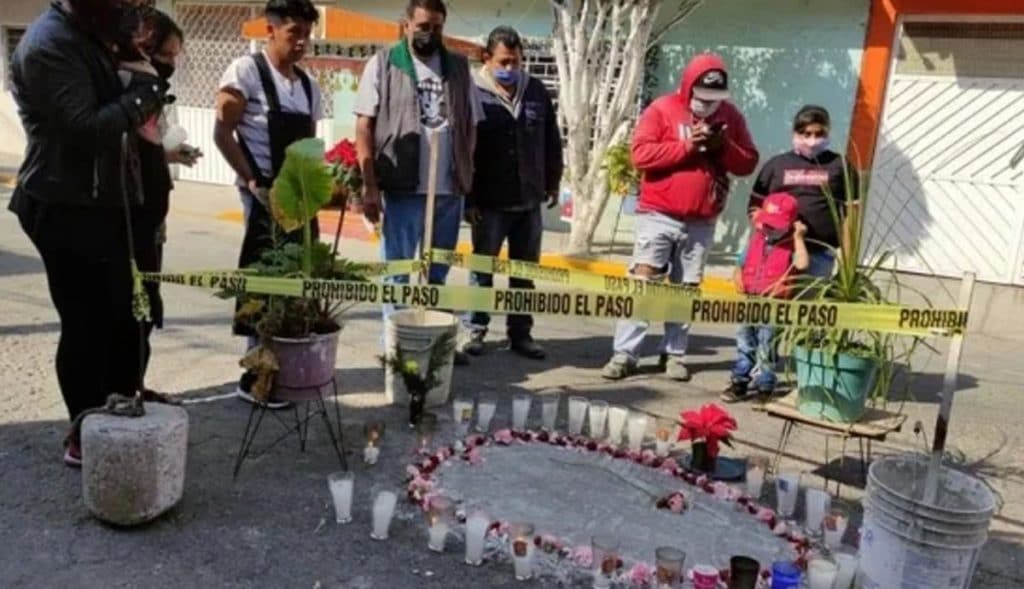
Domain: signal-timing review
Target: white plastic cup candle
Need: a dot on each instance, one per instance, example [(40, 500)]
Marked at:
[(520, 411), (598, 417), (341, 485), (462, 414), (383, 511), (637, 429), (371, 454), (834, 526), (438, 533), (662, 442), (757, 469), (617, 417), (821, 574), (476, 532), (484, 414), (847, 564), (816, 505), (549, 411), (787, 489), (522, 550), (577, 411)]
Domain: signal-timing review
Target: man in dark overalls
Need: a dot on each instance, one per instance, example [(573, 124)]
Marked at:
[(266, 103)]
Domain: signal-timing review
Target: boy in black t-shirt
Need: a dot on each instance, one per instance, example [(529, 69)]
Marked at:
[(813, 174)]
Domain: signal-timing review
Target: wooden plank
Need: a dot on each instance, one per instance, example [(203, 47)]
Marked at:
[(876, 423)]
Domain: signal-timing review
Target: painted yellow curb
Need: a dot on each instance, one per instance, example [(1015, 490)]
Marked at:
[(711, 284)]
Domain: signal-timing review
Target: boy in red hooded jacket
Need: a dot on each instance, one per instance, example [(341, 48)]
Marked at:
[(685, 145)]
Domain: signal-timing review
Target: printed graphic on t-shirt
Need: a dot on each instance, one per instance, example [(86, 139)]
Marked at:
[(685, 131), (804, 177), (433, 110)]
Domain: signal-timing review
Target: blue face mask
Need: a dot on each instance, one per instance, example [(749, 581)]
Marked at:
[(506, 77)]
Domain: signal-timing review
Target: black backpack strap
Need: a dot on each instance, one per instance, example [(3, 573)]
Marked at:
[(267, 80), (307, 85)]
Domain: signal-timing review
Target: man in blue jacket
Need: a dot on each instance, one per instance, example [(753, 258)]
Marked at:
[(518, 166)]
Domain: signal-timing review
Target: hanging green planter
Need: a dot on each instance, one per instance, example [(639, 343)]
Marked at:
[(833, 387)]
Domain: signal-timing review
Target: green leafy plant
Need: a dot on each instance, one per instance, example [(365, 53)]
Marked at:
[(417, 381), (877, 283), (622, 177), (301, 189)]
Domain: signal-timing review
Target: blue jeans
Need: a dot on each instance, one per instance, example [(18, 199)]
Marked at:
[(822, 263), (403, 231), (755, 345), (679, 249), (523, 230)]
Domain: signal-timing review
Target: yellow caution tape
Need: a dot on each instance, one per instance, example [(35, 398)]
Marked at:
[(571, 277), (687, 306)]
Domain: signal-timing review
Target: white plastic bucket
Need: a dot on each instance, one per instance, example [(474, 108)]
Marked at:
[(909, 544), (415, 332)]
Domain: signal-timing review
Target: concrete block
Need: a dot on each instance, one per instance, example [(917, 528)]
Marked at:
[(133, 468)]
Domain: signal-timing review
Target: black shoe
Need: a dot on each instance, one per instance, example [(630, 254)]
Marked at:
[(526, 347), (735, 392), (474, 344)]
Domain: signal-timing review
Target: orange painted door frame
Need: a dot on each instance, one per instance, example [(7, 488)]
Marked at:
[(877, 60)]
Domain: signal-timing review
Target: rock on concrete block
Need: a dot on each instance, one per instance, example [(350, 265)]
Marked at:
[(133, 468)]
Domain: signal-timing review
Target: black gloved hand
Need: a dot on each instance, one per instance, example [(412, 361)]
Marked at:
[(145, 96)]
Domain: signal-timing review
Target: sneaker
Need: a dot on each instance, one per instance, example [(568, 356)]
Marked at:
[(735, 392), (677, 370), (618, 368), (526, 347), (244, 392), (73, 455), (765, 390), (474, 345)]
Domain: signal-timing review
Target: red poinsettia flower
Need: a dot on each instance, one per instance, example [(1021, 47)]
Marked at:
[(710, 423), (344, 153)]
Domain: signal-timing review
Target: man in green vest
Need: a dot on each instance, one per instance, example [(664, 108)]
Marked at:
[(408, 93)]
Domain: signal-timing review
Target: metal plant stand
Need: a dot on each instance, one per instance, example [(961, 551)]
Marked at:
[(314, 404)]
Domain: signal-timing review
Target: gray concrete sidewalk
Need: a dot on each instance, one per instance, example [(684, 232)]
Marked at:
[(265, 530)]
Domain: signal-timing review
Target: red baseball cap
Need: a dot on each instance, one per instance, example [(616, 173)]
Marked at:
[(778, 211)]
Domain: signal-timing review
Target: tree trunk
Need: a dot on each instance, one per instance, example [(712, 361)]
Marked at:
[(586, 216)]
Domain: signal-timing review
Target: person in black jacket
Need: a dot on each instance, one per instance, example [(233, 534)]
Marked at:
[(518, 167), (72, 190)]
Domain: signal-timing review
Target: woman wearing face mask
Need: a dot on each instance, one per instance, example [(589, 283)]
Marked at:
[(816, 176), (159, 42)]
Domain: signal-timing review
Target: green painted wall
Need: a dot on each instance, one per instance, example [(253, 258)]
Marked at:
[(781, 54)]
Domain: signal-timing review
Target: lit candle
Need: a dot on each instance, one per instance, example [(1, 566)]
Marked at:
[(816, 505), (341, 484), (476, 532), (821, 574), (617, 417), (462, 410), (637, 428), (425, 431), (549, 411), (834, 526), (383, 511), (662, 444), (374, 430), (484, 414), (520, 411), (438, 533), (577, 411), (787, 490), (522, 550), (757, 467), (598, 417)]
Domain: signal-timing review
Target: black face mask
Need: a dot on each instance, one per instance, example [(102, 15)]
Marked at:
[(426, 43), (164, 70), (775, 235)]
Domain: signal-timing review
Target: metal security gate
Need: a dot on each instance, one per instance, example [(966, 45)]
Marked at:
[(944, 198)]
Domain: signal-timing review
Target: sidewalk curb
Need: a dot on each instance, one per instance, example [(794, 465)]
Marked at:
[(710, 284)]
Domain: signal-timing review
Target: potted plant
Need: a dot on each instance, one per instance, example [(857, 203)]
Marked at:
[(706, 428), (839, 371), (623, 179), (298, 336), (417, 380)]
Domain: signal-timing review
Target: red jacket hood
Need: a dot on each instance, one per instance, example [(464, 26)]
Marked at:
[(697, 67)]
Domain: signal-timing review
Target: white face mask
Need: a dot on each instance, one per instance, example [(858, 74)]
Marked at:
[(703, 109)]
